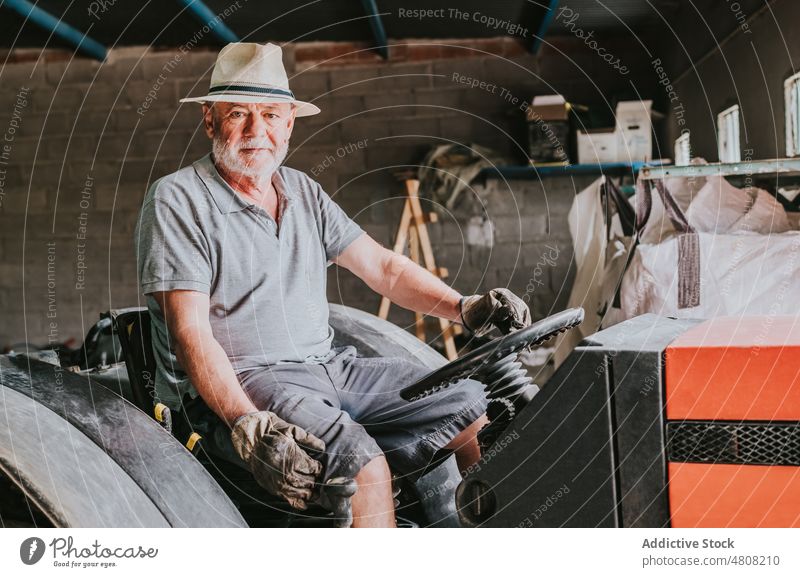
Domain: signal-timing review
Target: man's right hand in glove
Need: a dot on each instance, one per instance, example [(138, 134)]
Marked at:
[(275, 453)]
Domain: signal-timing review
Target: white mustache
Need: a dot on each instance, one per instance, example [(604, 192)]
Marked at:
[(254, 144)]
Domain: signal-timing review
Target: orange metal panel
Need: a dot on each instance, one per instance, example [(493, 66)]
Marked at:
[(702, 495), (735, 368)]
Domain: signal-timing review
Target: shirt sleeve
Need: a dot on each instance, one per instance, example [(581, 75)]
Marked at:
[(171, 250), (338, 229)]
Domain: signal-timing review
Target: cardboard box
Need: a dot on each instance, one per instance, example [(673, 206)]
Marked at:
[(631, 139), (548, 107)]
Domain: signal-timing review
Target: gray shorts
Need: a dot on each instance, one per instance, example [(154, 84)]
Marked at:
[(353, 404)]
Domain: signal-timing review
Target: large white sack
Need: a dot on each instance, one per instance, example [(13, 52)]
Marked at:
[(720, 207), (740, 274), (588, 230), (600, 252)]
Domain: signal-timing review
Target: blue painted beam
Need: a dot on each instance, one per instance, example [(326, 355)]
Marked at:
[(375, 22), (544, 26), (527, 172), (205, 15), (56, 26)]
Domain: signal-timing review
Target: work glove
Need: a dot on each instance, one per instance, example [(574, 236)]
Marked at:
[(335, 496), (498, 308), (274, 451)]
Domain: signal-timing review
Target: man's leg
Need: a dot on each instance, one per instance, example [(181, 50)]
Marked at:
[(465, 444), (373, 504), (411, 434), (299, 395)]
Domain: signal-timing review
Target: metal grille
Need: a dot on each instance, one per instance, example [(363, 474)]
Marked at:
[(734, 443)]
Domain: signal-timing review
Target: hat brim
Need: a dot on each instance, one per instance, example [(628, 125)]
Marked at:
[(303, 108)]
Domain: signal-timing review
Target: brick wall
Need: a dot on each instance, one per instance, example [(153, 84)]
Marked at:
[(82, 140)]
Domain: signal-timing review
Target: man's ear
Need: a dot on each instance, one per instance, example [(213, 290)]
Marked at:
[(208, 120), (290, 121)]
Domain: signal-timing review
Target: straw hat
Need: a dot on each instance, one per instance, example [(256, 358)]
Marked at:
[(251, 73)]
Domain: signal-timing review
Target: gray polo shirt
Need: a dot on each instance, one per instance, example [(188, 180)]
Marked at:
[(266, 283)]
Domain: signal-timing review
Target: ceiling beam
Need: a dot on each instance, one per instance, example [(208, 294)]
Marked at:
[(544, 26), (205, 15), (375, 22), (57, 26)]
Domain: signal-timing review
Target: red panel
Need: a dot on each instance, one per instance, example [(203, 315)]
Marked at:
[(735, 368), (703, 495)]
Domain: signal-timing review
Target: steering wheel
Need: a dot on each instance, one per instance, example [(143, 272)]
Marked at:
[(496, 365)]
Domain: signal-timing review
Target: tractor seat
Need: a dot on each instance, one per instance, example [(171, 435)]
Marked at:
[(133, 327)]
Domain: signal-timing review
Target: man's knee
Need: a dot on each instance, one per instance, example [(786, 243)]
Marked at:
[(469, 433), (373, 504), (375, 472)]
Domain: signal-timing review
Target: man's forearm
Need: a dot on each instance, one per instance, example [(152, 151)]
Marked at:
[(211, 373), (410, 286)]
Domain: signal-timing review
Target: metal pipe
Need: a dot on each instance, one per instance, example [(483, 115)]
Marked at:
[(544, 25), (378, 31), (58, 27), (205, 15)]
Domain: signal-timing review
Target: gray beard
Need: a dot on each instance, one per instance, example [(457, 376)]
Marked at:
[(230, 161)]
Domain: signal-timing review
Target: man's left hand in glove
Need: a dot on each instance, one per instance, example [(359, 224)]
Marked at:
[(498, 308)]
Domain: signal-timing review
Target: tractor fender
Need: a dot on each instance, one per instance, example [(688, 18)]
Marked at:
[(87, 457)]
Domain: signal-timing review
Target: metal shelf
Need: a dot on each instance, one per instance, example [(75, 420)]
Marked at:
[(649, 170), (746, 168), (535, 172)]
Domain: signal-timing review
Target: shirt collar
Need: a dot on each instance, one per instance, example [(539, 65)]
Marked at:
[(227, 199)]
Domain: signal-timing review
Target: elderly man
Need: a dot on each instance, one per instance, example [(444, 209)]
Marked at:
[(232, 255)]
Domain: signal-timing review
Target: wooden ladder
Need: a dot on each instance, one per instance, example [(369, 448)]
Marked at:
[(414, 233)]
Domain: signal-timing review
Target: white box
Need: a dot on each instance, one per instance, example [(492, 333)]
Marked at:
[(635, 131), (596, 146), (631, 139)]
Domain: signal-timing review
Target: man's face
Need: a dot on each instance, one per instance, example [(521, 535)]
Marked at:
[(249, 139)]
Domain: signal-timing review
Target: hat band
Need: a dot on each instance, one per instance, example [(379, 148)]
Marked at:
[(251, 90)]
